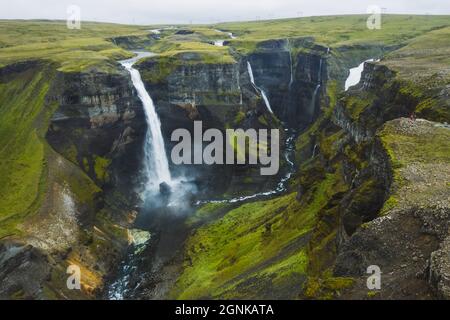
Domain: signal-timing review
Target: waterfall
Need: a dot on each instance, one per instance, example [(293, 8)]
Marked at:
[(314, 151), (282, 185), (291, 64), (316, 91), (292, 70), (250, 73), (156, 164), (355, 75), (263, 94), (314, 99), (230, 34), (320, 71)]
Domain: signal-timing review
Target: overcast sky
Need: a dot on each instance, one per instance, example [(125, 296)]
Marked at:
[(206, 11)]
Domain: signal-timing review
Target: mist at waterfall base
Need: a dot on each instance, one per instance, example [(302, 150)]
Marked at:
[(160, 187)]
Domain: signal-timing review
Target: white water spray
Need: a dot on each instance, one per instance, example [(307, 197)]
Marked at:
[(156, 164), (263, 94)]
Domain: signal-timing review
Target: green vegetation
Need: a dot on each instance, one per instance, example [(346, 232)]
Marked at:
[(356, 104), (409, 147), (197, 46), (200, 52), (425, 148), (206, 213), (264, 240), (174, 52), (326, 287), (334, 31), (239, 243), (24, 116), (285, 244), (101, 168), (71, 50), (423, 58)]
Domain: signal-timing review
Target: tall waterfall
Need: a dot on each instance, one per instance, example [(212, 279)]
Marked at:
[(156, 164), (263, 94)]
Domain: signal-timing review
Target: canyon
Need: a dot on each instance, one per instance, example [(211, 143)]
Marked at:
[(360, 182)]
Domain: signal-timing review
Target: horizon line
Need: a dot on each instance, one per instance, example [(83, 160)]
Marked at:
[(223, 22)]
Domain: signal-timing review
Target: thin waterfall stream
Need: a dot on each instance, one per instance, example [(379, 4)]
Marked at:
[(263, 94), (312, 107)]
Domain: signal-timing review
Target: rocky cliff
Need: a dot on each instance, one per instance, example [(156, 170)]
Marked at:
[(91, 130)]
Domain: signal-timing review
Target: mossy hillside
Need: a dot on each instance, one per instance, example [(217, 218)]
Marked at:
[(428, 102), (255, 240), (155, 70), (98, 235), (174, 50), (20, 32), (355, 104), (421, 148), (227, 248), (208, 212), (72, 55), (326, 287), (73, 50), (335, 31), (424, 59), (24, 116), (201, 33), (31, 170), (101, 168), (422, 66), (390, 95), (176, 44), (407, 147), (336, 154)]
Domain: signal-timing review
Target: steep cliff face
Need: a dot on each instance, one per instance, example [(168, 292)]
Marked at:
[(88, 129), (99, 125), (408, 239), (345, 203), (185, 89), (290, 72), (395, 198)]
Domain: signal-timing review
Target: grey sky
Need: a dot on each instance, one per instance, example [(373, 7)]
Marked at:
[(206, 11)]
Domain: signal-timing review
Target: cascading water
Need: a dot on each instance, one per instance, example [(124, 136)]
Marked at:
[(314, 151), (355, 75), (291, 62), (263, 94), (156, 164)]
